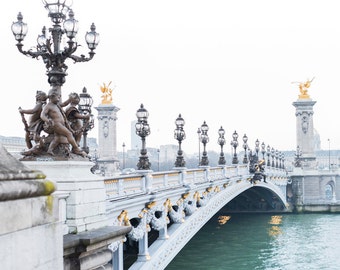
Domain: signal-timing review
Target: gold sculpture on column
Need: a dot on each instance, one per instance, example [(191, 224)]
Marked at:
[(107, 93), (303, 87)]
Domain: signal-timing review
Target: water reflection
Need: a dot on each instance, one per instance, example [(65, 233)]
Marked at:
[(223, 219), (275, 230)]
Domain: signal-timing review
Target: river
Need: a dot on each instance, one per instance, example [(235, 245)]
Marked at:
[(264, 241)]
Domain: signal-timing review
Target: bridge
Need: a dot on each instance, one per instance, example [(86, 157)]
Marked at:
[(166, 209)]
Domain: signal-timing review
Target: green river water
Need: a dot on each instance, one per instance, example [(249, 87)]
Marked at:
[(264, 241)]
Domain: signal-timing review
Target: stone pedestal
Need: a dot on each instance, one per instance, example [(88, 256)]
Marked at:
[(30, 230), (85, 205), (107, 139), (305, 129)]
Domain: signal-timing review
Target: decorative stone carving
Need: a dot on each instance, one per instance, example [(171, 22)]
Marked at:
[(176, 212)]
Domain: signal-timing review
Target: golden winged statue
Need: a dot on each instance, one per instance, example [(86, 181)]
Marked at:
[(107, 94), (303, 87)]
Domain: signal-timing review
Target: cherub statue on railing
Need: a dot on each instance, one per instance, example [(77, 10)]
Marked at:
[(35, 125)]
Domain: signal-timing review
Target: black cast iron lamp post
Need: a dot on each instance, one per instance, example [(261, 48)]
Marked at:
[(143, 130), (49, 49), (84, 107), (268, 155), (245, 147), (263, 151), (221, 142), (179, 135), (257, 147), (204, 140), (273, 157), (234, 144)]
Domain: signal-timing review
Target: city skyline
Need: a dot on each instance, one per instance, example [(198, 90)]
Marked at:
[(229, 64)]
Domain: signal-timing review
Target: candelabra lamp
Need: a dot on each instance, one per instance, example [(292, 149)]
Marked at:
[(268, 155), (84, 107), (245, 147), (257, 147), (179, 135), (221, 142), (298, 154), (234, 144), (49, 47), (263, 151), (204, 141), (273, 156), (143, 130)]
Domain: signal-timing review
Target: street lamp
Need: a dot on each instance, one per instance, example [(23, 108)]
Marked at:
[(263, 151), (234, 144), (257, 147), (297, 157), (199, 145), (276, 158), (179, 135), (221, 142), (143, 130), (273, 157), (204, 140), (329, 154), (84, 106), (268, 155), (245, 146), (49, 48), (123, 155)]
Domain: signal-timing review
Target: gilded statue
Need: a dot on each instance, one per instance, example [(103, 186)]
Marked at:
[(107, 93), (303, 87)]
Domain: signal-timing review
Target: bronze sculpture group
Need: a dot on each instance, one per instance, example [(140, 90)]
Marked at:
[(51, 129), (256, 167)]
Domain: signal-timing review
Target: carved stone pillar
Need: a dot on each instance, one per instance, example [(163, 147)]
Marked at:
[(305, 129), (107, 139)]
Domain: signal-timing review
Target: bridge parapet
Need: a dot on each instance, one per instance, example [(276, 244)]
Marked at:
[(139, 183)]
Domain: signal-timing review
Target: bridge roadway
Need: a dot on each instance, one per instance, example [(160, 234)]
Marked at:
[(174, 205)]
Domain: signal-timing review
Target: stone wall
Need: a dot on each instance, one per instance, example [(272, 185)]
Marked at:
[(30, 231)]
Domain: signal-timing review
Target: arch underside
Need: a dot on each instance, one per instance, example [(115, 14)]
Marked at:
[(248, 197)]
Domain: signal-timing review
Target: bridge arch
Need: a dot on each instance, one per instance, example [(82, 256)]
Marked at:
[(162, 251)]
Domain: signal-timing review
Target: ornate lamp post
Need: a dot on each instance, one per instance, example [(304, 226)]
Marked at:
[(84, 107), (179, 136), (283, 160), (143, 130), (273, 157), (277, 158), (257, 147), (199, 145), (298, 156), (221, 142), (123, 155), (49, 48), (263, 150), (204, 140), (245, 146), (268, 155), (234, 144)]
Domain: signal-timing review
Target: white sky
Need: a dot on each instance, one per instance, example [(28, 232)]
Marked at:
[(228, 63)]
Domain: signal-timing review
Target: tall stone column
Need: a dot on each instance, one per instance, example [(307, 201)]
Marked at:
[(107, 139), (304, 124)]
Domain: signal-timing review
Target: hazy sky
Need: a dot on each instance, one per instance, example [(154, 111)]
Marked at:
[(229, 63)]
